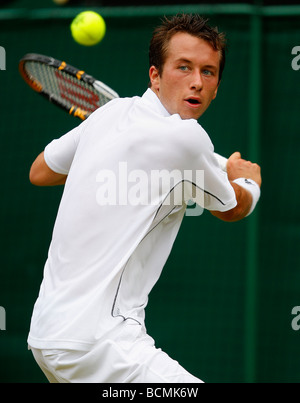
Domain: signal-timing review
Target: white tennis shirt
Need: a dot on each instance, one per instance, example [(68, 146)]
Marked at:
[(119, 216)]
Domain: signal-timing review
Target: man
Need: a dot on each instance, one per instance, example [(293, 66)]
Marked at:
[(117, 221)]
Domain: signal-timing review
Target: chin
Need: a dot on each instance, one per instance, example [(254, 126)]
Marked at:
[(185, 116), (191, 114)]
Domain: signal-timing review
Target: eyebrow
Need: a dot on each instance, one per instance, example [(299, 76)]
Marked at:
[(182, 60)]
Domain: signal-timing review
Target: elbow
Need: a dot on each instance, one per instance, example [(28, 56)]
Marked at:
[(34, 177), (36, 170), (239, 212), (45, 177), (233, 215)]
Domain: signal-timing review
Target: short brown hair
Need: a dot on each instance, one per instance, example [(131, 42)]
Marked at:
[(192, 24)]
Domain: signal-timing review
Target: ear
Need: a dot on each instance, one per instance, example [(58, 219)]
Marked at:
[(154, 78)]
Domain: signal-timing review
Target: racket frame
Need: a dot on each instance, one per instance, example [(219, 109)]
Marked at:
[(80, 75)]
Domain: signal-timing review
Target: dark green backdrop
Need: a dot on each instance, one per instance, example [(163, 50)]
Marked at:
[(223, 305)]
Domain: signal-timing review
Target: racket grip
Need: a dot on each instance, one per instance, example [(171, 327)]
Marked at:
[(222, 161)]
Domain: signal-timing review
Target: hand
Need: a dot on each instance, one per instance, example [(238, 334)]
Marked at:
[(239, 168)]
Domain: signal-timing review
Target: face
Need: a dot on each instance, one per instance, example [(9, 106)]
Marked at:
[(190, 77)]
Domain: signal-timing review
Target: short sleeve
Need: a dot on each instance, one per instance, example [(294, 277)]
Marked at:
[(60, 152), (208, 184)]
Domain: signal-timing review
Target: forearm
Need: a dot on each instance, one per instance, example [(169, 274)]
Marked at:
[(244, 202), (245, 178), (41, 175)]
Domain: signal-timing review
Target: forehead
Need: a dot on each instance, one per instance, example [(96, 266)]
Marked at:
[(189, 47)]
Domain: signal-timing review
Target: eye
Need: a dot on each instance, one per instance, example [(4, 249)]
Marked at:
[(183, 68), (208, 73)]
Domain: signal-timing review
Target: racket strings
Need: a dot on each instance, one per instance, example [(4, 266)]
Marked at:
[(65, 87)]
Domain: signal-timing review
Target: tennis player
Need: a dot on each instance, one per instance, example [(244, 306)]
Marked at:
[(111, 240)]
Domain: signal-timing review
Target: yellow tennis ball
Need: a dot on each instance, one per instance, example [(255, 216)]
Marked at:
[(88, 28)]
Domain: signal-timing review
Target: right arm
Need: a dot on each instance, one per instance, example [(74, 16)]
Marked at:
[(51, 167), (41, 175)]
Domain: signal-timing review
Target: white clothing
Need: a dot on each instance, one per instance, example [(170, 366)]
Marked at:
[(127, 355), (104, 259)]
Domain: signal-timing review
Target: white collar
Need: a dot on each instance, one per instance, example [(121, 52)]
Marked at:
[(152, 100)]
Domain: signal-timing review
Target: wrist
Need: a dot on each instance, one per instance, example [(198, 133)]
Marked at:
[(252, 187)]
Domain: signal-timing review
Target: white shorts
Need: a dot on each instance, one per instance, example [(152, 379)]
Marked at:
[(129, 357)]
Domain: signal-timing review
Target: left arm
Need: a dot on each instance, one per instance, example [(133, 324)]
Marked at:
[(244, 202), (239, 168)]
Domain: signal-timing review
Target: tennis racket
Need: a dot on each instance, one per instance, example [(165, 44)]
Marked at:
[(71, 89)]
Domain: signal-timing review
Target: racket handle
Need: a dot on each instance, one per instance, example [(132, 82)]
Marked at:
[(222, 162)]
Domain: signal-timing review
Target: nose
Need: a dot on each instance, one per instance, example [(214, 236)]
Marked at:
[(196, 83)]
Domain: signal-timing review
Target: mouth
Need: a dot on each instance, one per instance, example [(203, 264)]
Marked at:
[(193, 102)]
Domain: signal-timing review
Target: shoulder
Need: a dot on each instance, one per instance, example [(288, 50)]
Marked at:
[(115, 103), (194, 128), (192, 134), (111, 111)]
